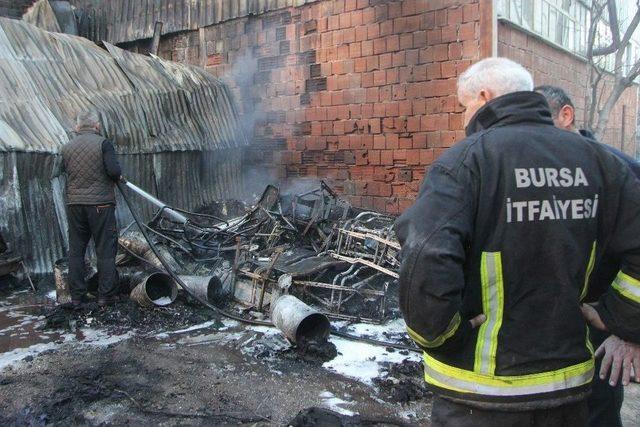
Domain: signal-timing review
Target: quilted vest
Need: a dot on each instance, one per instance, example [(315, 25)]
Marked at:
[(87, 180)]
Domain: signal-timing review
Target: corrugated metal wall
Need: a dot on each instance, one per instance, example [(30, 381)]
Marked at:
[(118, 21), (175, 128)]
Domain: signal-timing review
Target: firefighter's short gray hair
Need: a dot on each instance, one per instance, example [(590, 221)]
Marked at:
[(498, 75), (87, 119)]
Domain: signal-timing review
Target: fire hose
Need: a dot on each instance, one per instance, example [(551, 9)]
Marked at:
[(181, 218)]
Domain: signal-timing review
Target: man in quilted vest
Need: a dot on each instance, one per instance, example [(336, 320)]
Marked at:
[(90, 163)]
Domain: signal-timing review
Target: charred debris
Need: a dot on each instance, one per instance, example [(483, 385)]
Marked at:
[(298, 259)]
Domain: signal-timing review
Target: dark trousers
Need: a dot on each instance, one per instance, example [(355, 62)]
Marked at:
[(98, 222), (605, 401), (448, 413)]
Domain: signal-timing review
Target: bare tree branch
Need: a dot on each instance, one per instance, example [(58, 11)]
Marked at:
[(614, 26)]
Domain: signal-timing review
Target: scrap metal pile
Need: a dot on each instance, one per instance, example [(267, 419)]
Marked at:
[(313, 245)]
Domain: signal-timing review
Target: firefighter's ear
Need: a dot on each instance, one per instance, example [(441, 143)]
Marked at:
[(485, 95), (566, 117)]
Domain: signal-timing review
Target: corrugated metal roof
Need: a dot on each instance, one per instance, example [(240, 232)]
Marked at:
[(118, 21), (147, 104), (175, 127)]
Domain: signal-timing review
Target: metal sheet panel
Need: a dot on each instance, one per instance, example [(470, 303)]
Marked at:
[(177, 15), (175, 127)]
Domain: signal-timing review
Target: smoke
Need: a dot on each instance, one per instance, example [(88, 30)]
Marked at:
[(242, 78)]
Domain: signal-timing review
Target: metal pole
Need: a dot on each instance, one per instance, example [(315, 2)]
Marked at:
[(155, 42), (166, 210)]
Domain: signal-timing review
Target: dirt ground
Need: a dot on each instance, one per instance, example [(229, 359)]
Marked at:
[(187, 366), (175, 368)]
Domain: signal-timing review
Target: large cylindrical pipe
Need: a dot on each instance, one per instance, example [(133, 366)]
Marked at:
[(299, 322), (208, 288), (156, 289), (167, 211), (61, 278), (168, 257)]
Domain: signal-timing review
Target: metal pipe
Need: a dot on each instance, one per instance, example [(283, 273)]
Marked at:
[(299, 322), (166, 210), (209, 288), (156, 289)]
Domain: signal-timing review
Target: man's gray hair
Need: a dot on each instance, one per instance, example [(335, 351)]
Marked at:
[(87, 119), (498, 75)]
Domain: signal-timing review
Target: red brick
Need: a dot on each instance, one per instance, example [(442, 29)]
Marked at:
[(455, 50), (386, 28), (433, 122), (470, 49), (361, 33), (393, 43), (367, 47), (391, 109), (413, 157), (399, 92), (378, 110), (354, 50), (405, 108), (385, 61), (448, 69), (434, 36), (379, 142), (406, 41), (356, 18), (412, 56), (372, 63), (379, 46), (471, 12), (467, 31), (350, 5), (398, 59), (386, 157), (379, 78), (372, 95), (373, 31), (413, 124), (426, 157), (449, 33), (454, 15), (399, 154), (419, 140), (360, 65), (374, 157), (419, 39), (374, 126), (392, 141)]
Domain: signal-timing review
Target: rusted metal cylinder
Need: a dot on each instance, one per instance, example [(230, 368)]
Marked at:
[(299, 322), (168, 257), (208, 288), (61, 277), (135, 244), (155, 290)]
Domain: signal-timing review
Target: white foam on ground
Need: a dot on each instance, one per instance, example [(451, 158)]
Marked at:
[(162, 301), (330, 401), (192, 328), (52, 295), (98, 338), (16, 355), (362, 361), (379, 332)]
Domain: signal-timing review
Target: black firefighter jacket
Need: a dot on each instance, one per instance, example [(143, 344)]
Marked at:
[(510, 223)]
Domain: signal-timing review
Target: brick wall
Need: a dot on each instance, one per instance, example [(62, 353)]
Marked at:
[(358, 92), (553, 66)]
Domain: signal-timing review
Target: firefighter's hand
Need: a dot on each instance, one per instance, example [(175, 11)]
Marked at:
[(477, 321), (123, 179), (619, 356), (592, 316)]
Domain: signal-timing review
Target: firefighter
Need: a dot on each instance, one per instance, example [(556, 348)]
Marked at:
[(91, 166), (607, 394), (497, 252)]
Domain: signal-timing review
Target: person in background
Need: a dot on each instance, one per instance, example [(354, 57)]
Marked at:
[(496, 257), (607, 394), (91, 167)]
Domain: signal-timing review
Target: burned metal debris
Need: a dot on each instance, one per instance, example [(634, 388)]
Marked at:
[(313, 246)]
